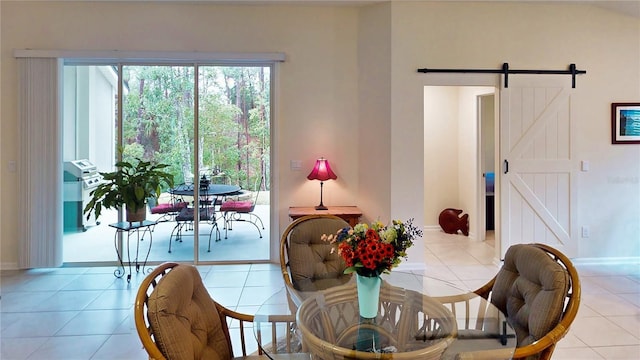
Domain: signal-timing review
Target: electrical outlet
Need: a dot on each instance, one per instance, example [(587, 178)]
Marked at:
[(585, 231)]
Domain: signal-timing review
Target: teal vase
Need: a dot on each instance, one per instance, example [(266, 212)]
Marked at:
[(368, 295)]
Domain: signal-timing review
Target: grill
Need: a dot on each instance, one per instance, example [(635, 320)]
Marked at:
[(80, 178)]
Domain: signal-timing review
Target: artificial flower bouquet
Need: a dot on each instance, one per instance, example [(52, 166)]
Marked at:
[(370, 250)]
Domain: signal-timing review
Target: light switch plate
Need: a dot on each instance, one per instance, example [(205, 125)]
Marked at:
[(295, 165), (585, 165)]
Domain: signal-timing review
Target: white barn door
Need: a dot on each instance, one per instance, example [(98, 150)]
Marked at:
[(538, 170)]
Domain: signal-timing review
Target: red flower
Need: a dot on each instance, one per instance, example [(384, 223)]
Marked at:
[(372, 235), (347, 253), (364, 250)]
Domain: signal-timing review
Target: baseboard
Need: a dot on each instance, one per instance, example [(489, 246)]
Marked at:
[(437, 228), (576, 261), (9, 266)]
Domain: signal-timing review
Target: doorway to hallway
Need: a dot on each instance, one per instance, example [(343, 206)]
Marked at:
[(460, 154)]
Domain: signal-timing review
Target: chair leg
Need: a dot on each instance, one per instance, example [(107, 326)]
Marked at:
[(259, 219), (214, 226), (236, 216), (228, 223), (178, 232), (256, 225)]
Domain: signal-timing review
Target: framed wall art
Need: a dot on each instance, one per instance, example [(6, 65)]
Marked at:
[(625, 123)]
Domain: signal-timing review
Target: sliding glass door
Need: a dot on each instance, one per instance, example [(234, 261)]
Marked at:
[(234, 131), (214, 130)]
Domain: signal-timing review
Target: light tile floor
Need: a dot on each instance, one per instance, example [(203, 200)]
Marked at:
[(86, 313)]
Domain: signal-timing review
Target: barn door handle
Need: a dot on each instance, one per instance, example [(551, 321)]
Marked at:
[(506, 166)]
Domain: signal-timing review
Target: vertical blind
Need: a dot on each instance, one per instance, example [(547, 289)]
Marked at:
[(40, 171)]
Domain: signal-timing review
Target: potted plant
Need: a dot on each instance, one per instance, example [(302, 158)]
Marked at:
[(130, 186)]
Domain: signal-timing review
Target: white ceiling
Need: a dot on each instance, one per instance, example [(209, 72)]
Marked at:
[(628, 7)]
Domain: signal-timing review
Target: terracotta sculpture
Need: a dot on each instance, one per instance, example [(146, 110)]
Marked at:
[(451, 221)]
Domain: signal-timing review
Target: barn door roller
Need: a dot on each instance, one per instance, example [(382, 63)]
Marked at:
[(506, 71)]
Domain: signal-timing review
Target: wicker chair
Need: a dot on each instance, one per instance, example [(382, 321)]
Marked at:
[(307, 262), (539, 291), (177, 319)]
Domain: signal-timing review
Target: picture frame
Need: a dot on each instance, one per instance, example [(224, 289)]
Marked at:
[(625, 123)]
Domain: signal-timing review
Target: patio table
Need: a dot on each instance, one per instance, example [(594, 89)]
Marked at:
[(140, 229)]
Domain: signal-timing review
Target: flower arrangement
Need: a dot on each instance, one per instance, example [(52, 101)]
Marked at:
[(370, 250)]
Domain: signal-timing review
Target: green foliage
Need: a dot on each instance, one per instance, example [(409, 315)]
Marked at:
[(233, 120), (129, 185), (131, 152)]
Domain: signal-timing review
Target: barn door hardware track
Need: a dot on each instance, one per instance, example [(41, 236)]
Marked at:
[(506, 71)]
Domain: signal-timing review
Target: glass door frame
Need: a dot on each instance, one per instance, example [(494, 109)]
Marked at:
[(120, 64)]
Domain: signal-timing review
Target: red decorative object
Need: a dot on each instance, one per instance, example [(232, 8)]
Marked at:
[(322, 171), (451, 221)]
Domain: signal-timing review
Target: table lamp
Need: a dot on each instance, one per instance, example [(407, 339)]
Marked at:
[(322, 171)]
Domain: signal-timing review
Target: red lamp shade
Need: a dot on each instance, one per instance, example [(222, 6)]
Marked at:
[(322, 171)]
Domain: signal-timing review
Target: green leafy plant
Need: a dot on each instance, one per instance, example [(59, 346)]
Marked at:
[(129, 185)]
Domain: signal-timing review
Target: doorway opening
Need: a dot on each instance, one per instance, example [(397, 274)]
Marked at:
[(461, 155)]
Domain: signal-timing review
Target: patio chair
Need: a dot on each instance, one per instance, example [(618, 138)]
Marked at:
[(166, 210), (185, 222), (242, 210), (538, 290), (177, 319)]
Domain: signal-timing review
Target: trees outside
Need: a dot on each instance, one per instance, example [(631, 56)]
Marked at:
[(233, 120)]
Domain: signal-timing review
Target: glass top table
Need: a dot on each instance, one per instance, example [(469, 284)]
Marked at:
[(419, 317), (211, 190)]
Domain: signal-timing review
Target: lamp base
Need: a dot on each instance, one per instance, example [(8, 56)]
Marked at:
[(321, 207)]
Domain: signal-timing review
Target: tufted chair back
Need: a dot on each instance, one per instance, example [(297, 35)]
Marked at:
[(531, 289), (177, 319), (308, 263), (184, 318)]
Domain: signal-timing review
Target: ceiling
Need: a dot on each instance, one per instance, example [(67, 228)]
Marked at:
[(627, 7)]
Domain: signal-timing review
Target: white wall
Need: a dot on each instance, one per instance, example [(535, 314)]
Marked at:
[(484, 35), (316, 98), (373, 134), (89, 129), (102, 118), (352, 67)]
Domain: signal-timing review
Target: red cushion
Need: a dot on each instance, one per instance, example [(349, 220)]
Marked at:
[(167, 208), (239, 206)]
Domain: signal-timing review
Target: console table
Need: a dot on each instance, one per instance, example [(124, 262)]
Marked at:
[(350, 214)]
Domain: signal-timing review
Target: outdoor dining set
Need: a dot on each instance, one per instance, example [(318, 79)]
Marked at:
[(215, 202)]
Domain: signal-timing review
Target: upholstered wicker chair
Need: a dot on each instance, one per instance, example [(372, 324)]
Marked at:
[(177, 319), (538, 290), (308, 263)]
